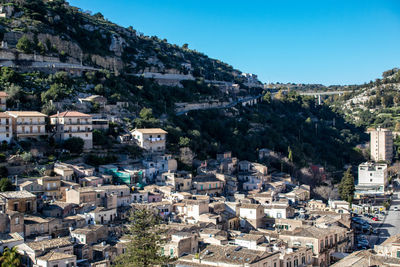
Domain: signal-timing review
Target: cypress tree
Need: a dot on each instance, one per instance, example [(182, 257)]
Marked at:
[(346, 186)]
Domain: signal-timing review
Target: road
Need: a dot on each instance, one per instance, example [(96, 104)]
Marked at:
[(390, 225)]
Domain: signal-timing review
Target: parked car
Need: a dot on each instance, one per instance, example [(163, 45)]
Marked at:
[(375, 219), (396, 208)]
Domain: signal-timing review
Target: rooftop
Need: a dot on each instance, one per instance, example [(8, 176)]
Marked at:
[(50, 243), (53, 256), (26, 114), (70, 114), (151, 131), (16, 194)]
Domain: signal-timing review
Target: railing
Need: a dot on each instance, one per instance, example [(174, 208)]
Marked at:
[(78, 131), (32, 123)]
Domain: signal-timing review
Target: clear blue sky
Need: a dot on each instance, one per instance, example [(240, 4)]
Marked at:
[(321, 41)]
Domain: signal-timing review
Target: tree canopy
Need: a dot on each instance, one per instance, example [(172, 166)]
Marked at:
[(346, 186), (146, 244)]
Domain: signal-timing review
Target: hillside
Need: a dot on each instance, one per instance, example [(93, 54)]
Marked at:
[(54, 55), (56, 29), (376, 104)]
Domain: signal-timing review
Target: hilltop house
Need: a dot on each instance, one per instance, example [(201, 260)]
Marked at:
[(153, 139), (28, 124), (70, 124)]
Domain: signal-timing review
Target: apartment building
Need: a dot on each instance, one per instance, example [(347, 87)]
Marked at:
[(70, 124), (381, 145), (5, 127), (372, 179), (28, 124), (153, 139)]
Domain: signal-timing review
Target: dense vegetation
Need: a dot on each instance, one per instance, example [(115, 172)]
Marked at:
[(93, 34), (314, 134)]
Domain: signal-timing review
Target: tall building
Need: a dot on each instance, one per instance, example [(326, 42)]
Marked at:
[(70, 124), (152, 139), (381, 145), (28, 124)]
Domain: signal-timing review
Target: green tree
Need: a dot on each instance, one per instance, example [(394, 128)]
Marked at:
[(290, 154), (146, 119), (24, 45), (267, 97), (41, 48), (6, 185), (346, 186), (146, 243), (10, 258), (56, 92), (184, 141), (74, 144)]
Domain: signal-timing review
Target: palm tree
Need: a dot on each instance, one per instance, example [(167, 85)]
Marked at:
[(10, 258)]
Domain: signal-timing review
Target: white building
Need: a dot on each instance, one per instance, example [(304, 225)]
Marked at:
[(153, 140), (70, 124), (381, 145), (5, 127), (27, 124), (372, 179)]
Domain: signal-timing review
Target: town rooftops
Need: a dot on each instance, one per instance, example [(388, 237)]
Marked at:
[(249, 206), (230, 255), (70, 114), (151, 131), (50, 243), (17, 114), (16, 194), (53, 256)]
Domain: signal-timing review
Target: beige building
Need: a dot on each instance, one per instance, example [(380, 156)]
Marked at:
[(381, 145), (251, 215), (27, 124), (3, 100), (21, 201), (153, 140), (70, 124), (322, 241), (5, 127)]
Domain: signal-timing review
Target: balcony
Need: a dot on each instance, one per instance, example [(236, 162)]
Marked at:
[(36, 123), (78, 131), (155, 139)]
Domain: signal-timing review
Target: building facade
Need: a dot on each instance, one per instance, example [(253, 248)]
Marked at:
[(381, 145), (153, 140), (28, 124), (70, 124), (5, 127)]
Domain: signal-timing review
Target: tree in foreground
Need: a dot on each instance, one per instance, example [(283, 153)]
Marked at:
[(10, 258), (346, 186), (146, 241)]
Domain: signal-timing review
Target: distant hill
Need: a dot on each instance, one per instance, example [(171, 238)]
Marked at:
[(373, 104), (56, 29)]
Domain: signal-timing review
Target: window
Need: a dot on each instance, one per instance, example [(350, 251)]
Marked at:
[(303, 260), (398, 254), (17, 221), (15, 206)]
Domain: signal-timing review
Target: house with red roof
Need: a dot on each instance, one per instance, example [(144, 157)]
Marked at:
[(70, 124)]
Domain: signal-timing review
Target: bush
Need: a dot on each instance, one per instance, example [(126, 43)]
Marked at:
[(6, 185), (25, 45), (74, 145)]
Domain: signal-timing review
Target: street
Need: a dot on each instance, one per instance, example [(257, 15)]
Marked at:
[(390, 225)]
